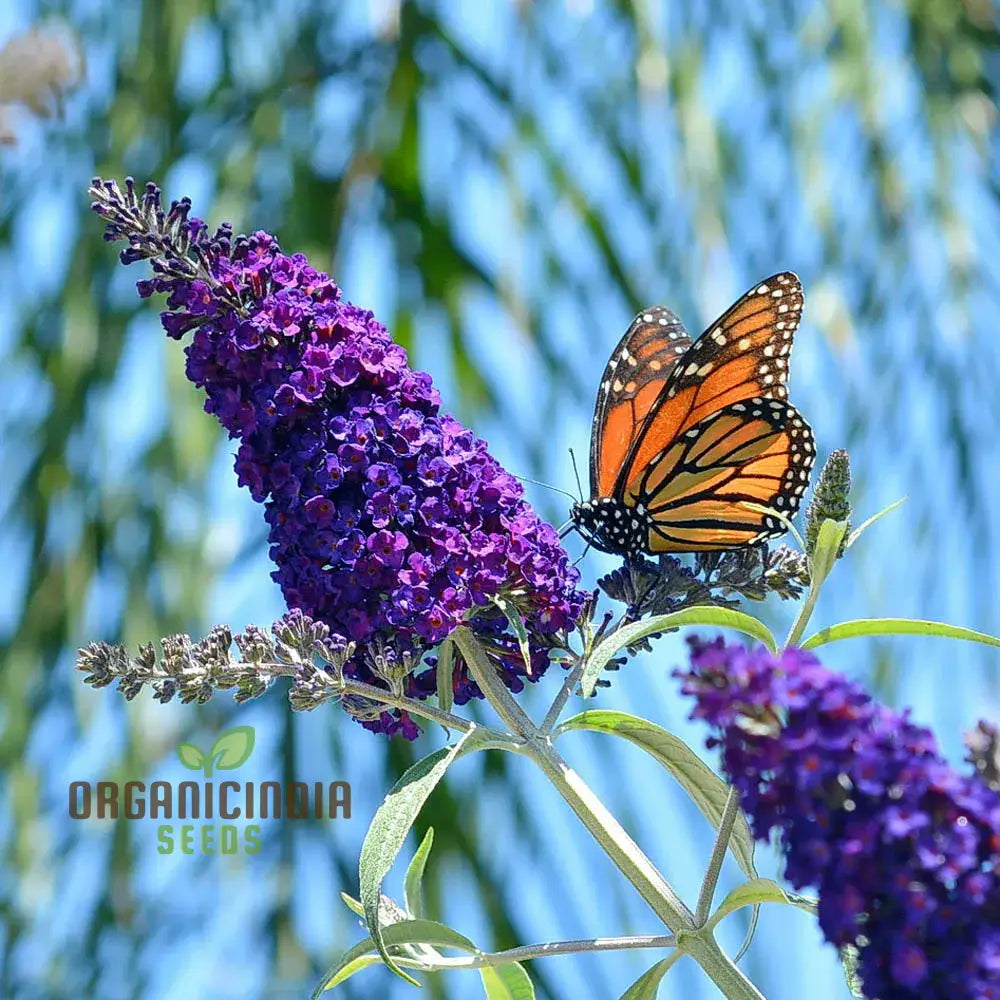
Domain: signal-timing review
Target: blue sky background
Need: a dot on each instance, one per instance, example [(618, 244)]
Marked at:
[(584, 160)]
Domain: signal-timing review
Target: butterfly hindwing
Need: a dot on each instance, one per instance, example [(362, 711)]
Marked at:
[(633, 380), (702, 491), (743, 355)]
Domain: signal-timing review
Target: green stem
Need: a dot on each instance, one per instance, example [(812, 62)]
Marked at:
[(547, 949), (623, 851), (802, 620), (571, 681), (729, 813)]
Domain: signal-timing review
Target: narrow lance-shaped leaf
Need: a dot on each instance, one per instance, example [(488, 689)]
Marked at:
[(413, 893), (828, 543), (445, 674), (705, 788), (517, 624), (896, 626), (759, 890), (701, 615), (507, 982), (648, 984), (406, 932), (390, 826), (859, 531)]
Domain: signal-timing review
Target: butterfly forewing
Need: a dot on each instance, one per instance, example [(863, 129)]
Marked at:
[(743, 355), (633, 380)]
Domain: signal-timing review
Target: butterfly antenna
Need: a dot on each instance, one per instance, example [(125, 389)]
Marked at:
[(535, 482), (576, 472)]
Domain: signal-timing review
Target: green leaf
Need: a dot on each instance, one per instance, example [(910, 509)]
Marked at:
[(756, 891), (647, 985), (413, 893), (232, 747), (896, 626), (507, 982), (705, 788), (406, 932), (391, 824), (701, 615), (354, 906), (517, 624), (345, 970), (856, 534), (190, 756), (446, 675), (828, 544)]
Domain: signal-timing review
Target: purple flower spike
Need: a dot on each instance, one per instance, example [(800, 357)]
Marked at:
[(905, 851), (389, 521)]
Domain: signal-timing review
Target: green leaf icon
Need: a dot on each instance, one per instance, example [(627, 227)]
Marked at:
[(190, 756), (231, 748)]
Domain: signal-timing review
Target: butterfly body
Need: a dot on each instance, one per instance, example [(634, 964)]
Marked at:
[(694, 445)]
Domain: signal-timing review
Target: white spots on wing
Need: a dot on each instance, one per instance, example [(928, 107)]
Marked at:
[(744, 344), (769, 351), (768, 379), (783, 308), (763, 370), (693, 433), (679, 349), (719, 337), (691, 369), (618, 386), (777, 293), (705, 369), (655, 366), (663, 321), (738, 408), (647, 317), (763, 290)]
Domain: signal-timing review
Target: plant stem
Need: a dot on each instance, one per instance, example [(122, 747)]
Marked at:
[(640, 871), (729, 813), (805, 613), (623, 851), (571, 681), (547, 949), (491, 685), (411, 705)]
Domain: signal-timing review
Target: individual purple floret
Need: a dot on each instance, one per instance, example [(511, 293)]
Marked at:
[(904, 850), (389, 520)]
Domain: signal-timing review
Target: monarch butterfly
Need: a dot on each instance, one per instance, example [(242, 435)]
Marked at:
[(690, 439)]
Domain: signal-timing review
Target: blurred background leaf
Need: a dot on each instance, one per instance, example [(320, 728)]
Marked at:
[(505, 184)]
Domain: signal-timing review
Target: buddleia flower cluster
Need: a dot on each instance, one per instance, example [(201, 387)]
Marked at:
[(904, 850), (389, 521)]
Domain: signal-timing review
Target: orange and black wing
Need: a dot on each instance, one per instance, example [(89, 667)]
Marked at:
[(633, 380), (701, 491), (743, 355)]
